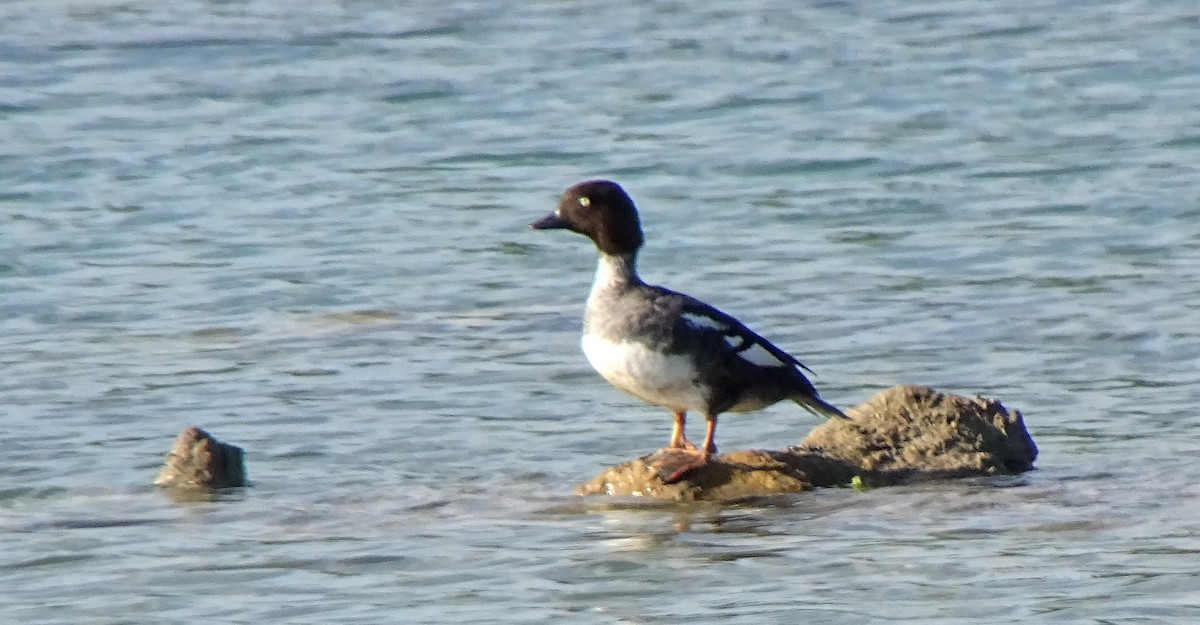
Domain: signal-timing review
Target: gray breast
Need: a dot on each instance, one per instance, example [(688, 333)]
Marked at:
[(633, 314)]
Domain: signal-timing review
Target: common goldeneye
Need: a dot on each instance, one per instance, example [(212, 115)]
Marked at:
[(667, 348)]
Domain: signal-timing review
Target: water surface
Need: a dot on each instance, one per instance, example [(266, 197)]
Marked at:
[(303, 228)]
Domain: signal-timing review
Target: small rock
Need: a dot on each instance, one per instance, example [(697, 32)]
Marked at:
[(198, 461)]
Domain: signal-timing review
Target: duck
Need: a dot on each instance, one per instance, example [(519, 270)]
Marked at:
[(666, 348)]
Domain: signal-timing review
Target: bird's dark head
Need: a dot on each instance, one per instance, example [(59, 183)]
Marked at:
[(601, 211)]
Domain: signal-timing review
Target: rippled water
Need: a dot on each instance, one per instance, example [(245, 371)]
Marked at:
[(302, 226)]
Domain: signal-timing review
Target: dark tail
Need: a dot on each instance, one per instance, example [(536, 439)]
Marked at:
[(819, 406)]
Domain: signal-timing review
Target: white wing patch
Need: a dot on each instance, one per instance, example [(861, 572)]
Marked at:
[(704, 321), (747, 347), (757, 354)]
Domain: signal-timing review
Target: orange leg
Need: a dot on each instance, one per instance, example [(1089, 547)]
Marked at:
[(710, 447), (678, 439), (680, 464)]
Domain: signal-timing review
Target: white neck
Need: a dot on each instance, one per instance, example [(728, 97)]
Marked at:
[(615, 271)]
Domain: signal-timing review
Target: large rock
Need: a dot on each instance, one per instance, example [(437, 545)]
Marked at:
[(199, 462), (901, 434)]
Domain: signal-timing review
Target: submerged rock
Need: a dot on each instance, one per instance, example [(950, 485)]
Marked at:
[(901, 434), (198, 461)]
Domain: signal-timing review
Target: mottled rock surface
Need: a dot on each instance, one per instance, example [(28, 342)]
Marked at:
[(901, 434), (198, 461)]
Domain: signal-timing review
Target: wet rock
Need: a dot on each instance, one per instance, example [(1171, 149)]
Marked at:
[(198, 461), (914, 431), (901, 434)]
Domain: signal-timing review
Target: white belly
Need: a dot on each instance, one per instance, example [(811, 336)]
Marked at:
[(664, 379)]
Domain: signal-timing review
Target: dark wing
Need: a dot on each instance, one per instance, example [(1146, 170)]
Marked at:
[(744, 342)]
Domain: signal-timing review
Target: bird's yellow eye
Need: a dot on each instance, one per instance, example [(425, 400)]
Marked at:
[(585, 201)]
